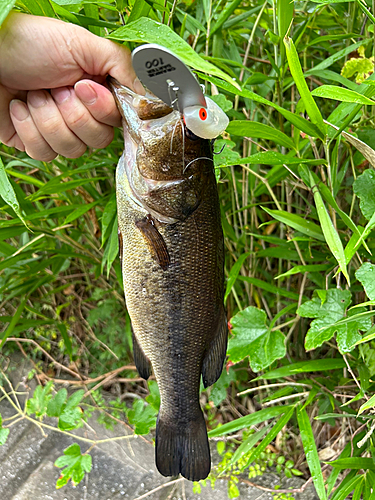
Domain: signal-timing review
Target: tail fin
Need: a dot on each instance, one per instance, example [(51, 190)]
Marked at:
[(183, 449)]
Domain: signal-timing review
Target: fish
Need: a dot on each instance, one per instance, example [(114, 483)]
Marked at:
[(172, 259)]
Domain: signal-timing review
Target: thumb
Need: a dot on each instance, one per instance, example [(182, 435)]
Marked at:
[(99, 56)]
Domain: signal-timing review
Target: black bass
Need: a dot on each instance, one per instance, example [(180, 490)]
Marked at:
[(171, 243)]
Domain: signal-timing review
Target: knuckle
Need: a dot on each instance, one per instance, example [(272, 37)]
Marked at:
[(52, 126), (77, 151), (41, 155), (104, 139), (80, 120)]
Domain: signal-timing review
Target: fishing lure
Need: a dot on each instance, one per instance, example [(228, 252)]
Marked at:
[(172, 81)]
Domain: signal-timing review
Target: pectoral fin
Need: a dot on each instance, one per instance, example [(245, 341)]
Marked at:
[(140, 359), (215, 356), (155, 241)]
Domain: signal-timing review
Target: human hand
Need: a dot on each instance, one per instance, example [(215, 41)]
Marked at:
[(40, 54)]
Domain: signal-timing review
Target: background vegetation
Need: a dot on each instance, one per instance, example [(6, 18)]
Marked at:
[(297, 190)]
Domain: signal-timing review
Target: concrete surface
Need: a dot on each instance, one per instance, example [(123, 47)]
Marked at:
[(121, 469)]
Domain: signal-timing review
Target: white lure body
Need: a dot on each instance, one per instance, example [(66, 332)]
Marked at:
[(206, 123)]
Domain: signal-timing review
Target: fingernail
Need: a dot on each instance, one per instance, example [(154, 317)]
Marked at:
[(36, 99), (60, 95), (86, 93), (138, 87), (19, 110)]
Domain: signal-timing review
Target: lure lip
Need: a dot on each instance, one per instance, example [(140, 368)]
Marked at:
[(166, 74)]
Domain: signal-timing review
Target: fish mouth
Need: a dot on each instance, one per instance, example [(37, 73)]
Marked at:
[(147, 107)]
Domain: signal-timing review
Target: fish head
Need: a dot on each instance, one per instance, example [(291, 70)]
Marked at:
[(167, 165)]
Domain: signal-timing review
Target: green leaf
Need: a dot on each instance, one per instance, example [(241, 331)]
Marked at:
[(112, 248), (311, 453), (297, 222), (224, 15), (353, 463), (309, 268), (218, 391), (38, 7), (154, 397), (55, 405), (70, 419), (296, 71), (254, 339), (335, 77), (55, 186), (5, 7), (264, 285), (109, 214), (316, 365), (246, 128), (247, 445), (329, 231), (76, 465), (341, 94), (347, 487), (4, 433), (364, 188), (67, 411), (66, 338), (285, 10), (79, 211), (39, 402), (13, 322), (149, 31), (337, 56), (7, 193), (249, 420), (234, 273), (366, 275), (272, 434), (366, 406), (142, 417), (225, 155), (275, 158), (328, 313)]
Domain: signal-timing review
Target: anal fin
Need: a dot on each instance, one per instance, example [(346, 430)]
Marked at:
[(140, 359), (155, 241), (215, 355)]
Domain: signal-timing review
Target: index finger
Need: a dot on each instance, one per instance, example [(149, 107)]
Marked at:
[(8, 134)]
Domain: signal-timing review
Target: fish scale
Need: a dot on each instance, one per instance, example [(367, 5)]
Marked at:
[(172, 273)]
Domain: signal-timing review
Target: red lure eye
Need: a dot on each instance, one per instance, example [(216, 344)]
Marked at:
[(202, 114)]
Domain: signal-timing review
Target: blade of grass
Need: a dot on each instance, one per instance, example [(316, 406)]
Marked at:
[(311, 453), (5, 7), (13, 322), (272, 434), (329, 231), (297, 222), (249, 420), (315, 365), (8, 194), (296, 71), (234, 273)]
